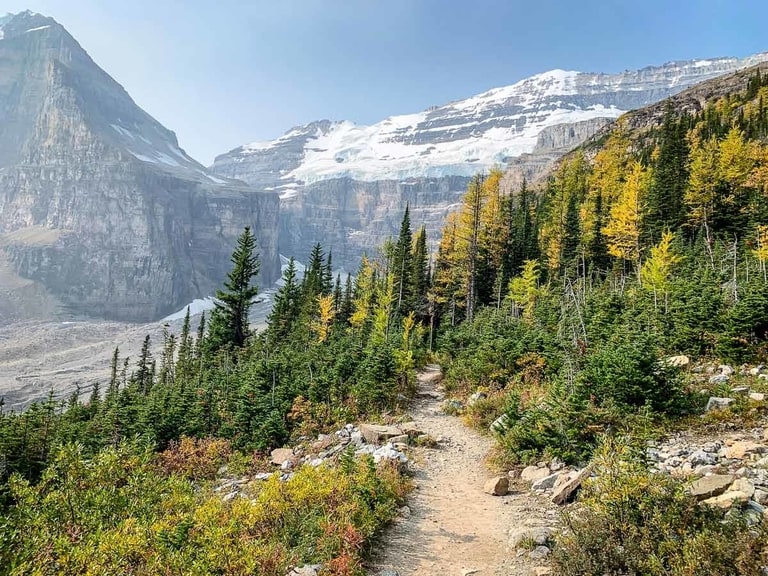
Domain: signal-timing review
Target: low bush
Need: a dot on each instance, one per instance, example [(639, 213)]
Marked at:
[(633, 522)]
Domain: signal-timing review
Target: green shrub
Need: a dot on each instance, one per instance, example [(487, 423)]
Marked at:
[(630, 521)]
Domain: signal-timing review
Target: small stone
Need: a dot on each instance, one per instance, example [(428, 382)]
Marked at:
[(757, 396), (306, 570), (763, 376), (719, 379), (281, 455), (539, 553), (718, 403), (537, 535), (500, 424), (680, 361), (725, 369), (704, 470), (542, 571), (710, 486), (229, 497), (497, 486), (760, 496), (534, 474), (476, 397), (402, 439), (405, 512), (741, 390)]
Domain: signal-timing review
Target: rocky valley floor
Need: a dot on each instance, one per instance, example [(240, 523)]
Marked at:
[(451, 526)]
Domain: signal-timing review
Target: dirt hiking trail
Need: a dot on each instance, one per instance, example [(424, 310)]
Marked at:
[(454, 528)]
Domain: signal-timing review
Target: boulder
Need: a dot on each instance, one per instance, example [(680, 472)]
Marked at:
[(534, 474), (497, 486), (742, 448), (717, 403), (281, 455), (743, 485), (566, 491), (546, 483), (710, 486), (376, 434), (411, 429), (727, 499)]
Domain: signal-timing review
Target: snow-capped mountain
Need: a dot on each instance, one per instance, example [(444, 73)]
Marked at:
[(464, 137), (345, 184)]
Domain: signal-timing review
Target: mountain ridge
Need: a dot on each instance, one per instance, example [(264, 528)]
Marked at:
[(99, 205)]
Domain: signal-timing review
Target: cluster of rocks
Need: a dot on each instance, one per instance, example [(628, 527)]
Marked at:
[(383, 443), (554, 479), (724, 472)]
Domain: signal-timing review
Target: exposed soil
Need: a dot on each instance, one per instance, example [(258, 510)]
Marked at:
[(454, 528)]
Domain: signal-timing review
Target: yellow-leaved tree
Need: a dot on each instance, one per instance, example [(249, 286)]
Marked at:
[(761, 251), (524, 290), (622, 230), (325, 315), (657, 269)]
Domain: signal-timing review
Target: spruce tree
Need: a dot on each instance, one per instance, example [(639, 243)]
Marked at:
[(401, 263), (229, 321), (285, 310)]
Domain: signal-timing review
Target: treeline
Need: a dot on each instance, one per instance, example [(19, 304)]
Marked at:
[(559, 302), (334, 350)]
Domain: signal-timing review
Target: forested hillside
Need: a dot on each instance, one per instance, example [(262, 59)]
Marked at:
[(555, 308)]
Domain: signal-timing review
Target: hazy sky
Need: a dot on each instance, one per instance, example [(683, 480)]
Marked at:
[(228, 72)]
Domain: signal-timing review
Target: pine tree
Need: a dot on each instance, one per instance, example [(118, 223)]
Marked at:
[(419, 277), (229, 321), (285, 310), (401, 264)]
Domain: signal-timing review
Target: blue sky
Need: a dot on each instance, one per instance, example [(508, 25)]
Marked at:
[(229, 72)]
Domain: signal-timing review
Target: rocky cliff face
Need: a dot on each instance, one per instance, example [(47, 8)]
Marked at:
[(99, 206), (346, 185)]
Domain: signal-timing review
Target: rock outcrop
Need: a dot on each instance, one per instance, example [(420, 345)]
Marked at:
[(99, 206)]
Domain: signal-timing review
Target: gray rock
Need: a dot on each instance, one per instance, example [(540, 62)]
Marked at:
[(566, 491), (546, 483), (500, 424), (476, 397), (717, 403), (710, 486), (539, 553), (538, 535), (702, 458), (740, 390), (534, 473), (719, 379), (376, 433), (306, 570)]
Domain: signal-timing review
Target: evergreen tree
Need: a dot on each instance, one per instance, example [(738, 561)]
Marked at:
[(229, 321), (285, 310), (419, 276), (401, 264)]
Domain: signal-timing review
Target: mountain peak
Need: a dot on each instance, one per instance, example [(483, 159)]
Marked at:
[(14, 25)]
